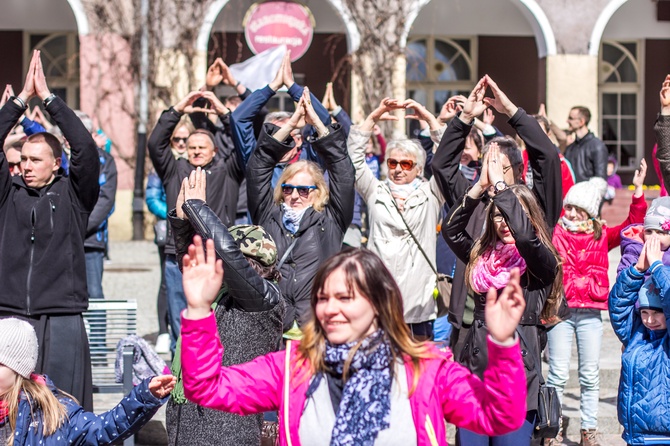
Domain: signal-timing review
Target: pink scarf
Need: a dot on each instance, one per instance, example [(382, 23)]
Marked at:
[(494, 266)]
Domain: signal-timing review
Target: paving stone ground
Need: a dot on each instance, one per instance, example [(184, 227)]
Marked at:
[(133, 273)]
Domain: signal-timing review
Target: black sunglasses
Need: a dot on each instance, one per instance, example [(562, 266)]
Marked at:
[(176, 140), (404, 164), (303, 191)]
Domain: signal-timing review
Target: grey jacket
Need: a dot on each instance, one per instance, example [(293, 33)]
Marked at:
[(249, 319)]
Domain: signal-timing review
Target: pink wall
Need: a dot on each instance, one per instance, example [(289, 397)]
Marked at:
[(107, 95)]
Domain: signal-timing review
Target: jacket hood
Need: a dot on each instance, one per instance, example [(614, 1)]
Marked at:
[(632, 234)]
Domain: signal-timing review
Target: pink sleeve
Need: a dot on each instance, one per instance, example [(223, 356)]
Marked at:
[(636, 213), (493, 406), (243, 389)]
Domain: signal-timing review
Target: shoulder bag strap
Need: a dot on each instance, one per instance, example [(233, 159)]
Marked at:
[(416, 242), (536, 365), (285, 256)]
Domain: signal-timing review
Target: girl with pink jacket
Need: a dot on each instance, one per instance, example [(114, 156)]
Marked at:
[(357, 377)]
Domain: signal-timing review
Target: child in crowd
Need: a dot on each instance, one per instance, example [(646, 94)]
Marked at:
[(34, 412), (583, 242), (613, 179), (639, 309), (657, 221)]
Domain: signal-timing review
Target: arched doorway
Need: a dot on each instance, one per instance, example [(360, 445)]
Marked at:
[(633, 51), (450, 45), (222, 35)]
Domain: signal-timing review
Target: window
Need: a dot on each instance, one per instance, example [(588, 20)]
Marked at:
[(620, 102), (60, 58), (438, 68)]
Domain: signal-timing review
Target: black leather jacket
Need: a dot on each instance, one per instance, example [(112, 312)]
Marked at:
[(249, 292), (588, 157)]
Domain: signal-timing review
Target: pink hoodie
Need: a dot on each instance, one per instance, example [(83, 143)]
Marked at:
[(446, 390)]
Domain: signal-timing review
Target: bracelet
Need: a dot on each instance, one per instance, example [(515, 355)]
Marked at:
[(237, 84), (49, 99), (21, 102)]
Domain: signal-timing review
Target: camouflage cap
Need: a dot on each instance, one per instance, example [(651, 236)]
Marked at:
[(255, 242)]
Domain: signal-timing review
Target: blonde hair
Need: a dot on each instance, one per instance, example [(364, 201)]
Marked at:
[(322, 193), (366, 273), (489, 239), (40, 398)]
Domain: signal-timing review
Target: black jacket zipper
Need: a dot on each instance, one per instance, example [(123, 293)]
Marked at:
[(33, 217)]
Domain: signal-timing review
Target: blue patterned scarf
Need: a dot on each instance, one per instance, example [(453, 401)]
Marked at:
[(292, 217), (365, 408)]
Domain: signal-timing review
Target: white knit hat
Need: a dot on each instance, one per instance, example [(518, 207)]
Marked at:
[(18, 346), (587, 195)]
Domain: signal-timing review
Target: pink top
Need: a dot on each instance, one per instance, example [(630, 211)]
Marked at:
[(493, 406)]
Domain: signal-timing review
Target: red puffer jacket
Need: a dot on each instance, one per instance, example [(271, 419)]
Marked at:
[(585, 260)]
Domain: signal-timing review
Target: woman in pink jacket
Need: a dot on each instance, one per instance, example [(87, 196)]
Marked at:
[(357, 377)]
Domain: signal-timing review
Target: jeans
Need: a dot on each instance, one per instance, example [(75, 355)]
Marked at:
[(442, 329), (520, 437), (421, 331), (175, 296), (587, 326), (96, 319)]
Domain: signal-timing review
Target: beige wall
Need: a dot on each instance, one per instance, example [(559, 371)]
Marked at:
[(572, 80)]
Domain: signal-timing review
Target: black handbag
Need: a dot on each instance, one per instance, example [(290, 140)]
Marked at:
[(549, 411)]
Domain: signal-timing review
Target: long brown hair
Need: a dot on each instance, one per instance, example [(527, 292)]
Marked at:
[(489, 239), (367, 274), (40, 397)]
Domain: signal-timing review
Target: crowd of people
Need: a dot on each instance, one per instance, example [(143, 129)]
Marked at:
[(303, 259)]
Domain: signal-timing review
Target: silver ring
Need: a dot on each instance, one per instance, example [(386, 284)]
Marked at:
[(493, 161), (191, 186)]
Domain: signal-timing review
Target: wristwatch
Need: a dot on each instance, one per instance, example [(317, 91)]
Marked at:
[(499, 187)]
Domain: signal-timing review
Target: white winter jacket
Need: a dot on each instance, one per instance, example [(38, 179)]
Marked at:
[(389, 237)]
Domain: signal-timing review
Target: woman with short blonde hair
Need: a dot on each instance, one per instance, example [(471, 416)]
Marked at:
[(306, 217)]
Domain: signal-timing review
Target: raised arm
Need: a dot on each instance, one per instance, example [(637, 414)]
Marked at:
[(159, 140), (662, 129), (636, 211), (243, 389), (359, 135), (261, 167), (250, 291), (243, 117), (84, 163), (542, 154), (447, 159)]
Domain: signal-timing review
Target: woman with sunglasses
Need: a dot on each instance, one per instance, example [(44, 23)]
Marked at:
[(306, 217), (403, 211), (357, 377), (516, 236), (180, 136)]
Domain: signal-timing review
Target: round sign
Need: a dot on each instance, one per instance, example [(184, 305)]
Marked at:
[(268, 25)]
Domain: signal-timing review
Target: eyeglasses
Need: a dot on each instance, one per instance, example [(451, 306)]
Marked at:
[(498, 218), (177, 140), (506, 168), (303, 191), (404, 164)]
